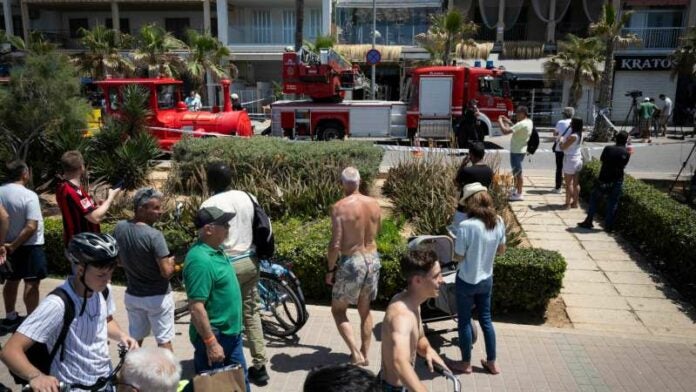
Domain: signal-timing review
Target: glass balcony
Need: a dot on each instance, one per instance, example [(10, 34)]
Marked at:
[(657, 37), (397, 26)]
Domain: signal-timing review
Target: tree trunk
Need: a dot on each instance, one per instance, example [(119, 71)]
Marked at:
[(575, 90), (607, 77), (299, 24), (448, 48)]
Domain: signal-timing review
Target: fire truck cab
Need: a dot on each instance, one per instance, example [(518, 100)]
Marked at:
[(437, 97)]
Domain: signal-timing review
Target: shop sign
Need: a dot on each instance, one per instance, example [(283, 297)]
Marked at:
[(643, 63)]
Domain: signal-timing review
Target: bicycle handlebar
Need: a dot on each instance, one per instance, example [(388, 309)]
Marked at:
[(101, 381)]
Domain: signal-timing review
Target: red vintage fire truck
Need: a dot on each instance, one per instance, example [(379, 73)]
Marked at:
[(170, 118), (435, 100)]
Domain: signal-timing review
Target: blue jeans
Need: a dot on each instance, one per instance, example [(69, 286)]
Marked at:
[(613, 190), (516, 163), (467, 296), (234, 354)]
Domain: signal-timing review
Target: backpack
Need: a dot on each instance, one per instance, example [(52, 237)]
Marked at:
[(262, 232), (533, 142), (38, 353)]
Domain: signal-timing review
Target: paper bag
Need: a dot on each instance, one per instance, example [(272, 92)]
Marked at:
[(227, 379)]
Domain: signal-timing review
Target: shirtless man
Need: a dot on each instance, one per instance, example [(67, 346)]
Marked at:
[(402, 330), (355, 224)]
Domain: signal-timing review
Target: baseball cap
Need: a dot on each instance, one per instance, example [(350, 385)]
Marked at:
[(470, 190), (209, 215), (235, 96)]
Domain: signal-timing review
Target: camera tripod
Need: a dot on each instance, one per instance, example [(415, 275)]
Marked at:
[(634, 120), (683, 166)]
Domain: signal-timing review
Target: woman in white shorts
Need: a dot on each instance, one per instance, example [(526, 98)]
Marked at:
[(572, 162)]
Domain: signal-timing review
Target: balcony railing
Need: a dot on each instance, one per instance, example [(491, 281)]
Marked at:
[(657, 37)]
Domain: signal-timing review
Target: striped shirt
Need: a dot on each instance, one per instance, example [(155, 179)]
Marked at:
[(75, 203), (86, 350)]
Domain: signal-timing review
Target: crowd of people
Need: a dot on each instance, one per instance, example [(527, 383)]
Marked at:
[(221, 272)]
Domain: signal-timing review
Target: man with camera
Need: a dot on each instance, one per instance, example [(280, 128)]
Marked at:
[(24, 246), (467, 127)]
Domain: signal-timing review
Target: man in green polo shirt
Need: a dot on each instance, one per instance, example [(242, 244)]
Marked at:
[(215, 299)]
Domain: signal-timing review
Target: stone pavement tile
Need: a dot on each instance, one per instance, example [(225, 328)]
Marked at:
[(554, 235), (672, 318), (588, 288), (621, 266), (602, 246), (605, 327), (672, 331), (602, 316), (570, 246), (540, 220), (534, 227), (657, 304), (595, 301), (602, 255), (598, 236), (581, 264), (585, 276), (632, 277), (643, 290)]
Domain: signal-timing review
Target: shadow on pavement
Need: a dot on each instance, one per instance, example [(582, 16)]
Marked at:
[(286, 363)]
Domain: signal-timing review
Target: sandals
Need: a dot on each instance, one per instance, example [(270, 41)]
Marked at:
[(490, 370)]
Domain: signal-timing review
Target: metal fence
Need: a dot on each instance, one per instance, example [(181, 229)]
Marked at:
[(657, 37)]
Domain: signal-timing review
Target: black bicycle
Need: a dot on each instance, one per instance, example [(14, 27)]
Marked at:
[(104, 382)]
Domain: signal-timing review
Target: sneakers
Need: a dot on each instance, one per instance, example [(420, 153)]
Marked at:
[(515, 197), (557, 190), (10, 325), (258, 376), (586, 225)]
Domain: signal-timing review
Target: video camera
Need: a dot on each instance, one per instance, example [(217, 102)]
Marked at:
[(634, 94)]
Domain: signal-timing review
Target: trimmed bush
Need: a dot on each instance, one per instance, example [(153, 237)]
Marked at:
[(525, 279), (661, 227), (290, 179)]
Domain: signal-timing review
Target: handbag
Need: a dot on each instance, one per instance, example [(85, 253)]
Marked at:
[(226, 379), (555, 143)]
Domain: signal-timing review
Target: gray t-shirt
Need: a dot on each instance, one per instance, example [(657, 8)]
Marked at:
[(139, 247), (22, 204)]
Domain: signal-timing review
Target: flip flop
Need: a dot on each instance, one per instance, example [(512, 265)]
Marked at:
[(484, 363)]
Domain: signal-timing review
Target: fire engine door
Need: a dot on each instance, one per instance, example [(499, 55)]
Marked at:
[(435, 97)]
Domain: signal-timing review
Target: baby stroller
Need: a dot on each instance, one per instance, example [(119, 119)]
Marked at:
[(444, 307)]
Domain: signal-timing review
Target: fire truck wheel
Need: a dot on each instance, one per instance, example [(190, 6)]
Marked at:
[(331, 132)]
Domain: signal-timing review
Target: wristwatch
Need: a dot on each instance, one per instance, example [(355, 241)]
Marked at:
[(331, 271)]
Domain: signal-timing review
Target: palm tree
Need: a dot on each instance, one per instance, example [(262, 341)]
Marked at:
[(684, 57), (577, 61), (299, 24), (446, 31), (155, 51), (608, 30), (102, 56), (206, 54), (37, 43)]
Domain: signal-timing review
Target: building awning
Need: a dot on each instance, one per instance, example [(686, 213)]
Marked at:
[(389, 3), (646, 3), (108, 1)]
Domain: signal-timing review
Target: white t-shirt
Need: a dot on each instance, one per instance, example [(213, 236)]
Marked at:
[(86, 350), (22, 204), (562, 129), (667, 108), (240, 238)]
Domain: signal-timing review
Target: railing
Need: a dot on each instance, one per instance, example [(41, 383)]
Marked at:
[(62, 39), (657, 37), (518, 32)]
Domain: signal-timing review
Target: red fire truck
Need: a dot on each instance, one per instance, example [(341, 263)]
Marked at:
[(435, 99), (171, 118)]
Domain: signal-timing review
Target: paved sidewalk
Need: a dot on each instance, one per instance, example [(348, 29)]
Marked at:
[(608, 286), (531, 358)]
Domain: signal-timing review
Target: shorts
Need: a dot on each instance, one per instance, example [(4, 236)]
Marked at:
[(356, 275), (572, 164), (516, 163), (154, 312), (28, 262)]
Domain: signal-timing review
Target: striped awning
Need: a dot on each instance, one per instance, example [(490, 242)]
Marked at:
[(389, 3)]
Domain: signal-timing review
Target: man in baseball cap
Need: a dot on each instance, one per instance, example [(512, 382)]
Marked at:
[(215, 298)]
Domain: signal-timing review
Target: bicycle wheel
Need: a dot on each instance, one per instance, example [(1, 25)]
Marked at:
[(281, 310)]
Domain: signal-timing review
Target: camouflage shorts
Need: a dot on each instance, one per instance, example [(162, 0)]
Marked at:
[(357, 275)]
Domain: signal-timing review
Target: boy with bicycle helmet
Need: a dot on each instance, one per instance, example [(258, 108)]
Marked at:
[(84, 355)]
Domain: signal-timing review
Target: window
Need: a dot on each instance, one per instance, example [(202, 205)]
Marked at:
[(75, 24), (124, 25), (166, 96), (177, 26), (313, 24), (213, 27), (261, 26), (288, 26)]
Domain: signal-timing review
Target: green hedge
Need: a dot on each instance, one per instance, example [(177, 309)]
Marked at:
[(525, 279), (298, 179), (664, 229)]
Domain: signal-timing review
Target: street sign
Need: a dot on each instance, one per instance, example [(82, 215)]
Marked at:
[(373, 57)]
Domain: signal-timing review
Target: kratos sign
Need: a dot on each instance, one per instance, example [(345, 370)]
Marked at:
[(643, 63)]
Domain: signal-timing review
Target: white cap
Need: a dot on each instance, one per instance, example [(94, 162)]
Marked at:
[(235, 96), (646, 99)]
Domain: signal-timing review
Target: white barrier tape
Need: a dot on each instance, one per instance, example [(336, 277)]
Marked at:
[(192, 133), (466, 150)]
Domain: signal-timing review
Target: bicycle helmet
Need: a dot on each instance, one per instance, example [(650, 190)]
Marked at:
[(99, 250)]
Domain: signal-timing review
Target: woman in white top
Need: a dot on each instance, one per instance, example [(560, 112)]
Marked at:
[(572, 162), (477, 239)]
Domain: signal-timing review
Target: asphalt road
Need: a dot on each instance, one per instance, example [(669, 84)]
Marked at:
[(661, 159)]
